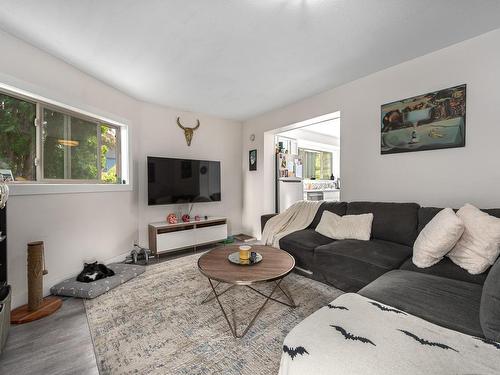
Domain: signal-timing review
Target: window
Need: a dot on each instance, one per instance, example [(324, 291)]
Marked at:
[(17, 138), (316, 164), (43, 143)]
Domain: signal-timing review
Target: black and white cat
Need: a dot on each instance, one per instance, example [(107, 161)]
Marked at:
[(94, 271)]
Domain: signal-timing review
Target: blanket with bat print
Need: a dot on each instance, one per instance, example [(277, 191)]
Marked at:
[(355, 335)]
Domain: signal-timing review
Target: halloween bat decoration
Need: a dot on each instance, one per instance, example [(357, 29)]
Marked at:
[(350, 336), (389, 309), (188, 132), (293, 352), (426, 342)]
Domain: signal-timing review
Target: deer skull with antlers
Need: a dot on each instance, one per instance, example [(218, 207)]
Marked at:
[(188, 132)]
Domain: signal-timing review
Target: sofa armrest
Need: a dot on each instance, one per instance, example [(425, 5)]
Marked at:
[(264, 219)]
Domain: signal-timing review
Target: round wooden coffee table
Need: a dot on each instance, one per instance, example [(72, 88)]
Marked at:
[(275, 265)]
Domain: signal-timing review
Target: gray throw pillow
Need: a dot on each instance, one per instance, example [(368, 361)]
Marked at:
[(489, 312)]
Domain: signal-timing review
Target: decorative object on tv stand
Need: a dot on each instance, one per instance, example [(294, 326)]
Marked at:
[(426, 122), (252, 160), (172, 218), (37, 307), (186, 218), (188, 132)]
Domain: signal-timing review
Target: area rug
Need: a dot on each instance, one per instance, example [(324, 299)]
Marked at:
[(155, 324)]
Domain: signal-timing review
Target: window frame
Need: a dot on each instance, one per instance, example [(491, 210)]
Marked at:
[(42, 185)]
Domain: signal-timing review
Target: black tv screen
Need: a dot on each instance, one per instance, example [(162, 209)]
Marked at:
[(172, 181)]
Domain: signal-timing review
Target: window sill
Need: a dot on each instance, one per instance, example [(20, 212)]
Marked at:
[(42, 189)]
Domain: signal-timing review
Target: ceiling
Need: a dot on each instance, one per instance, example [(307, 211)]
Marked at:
[(238, 59)]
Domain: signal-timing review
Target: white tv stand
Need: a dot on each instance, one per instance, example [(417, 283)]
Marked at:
[(165, 237)]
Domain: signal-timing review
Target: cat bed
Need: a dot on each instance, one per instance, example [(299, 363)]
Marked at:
[(72, 288)]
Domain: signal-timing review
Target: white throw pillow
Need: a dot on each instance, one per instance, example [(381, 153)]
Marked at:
[(479, 246), (347, 227), (437, 238)]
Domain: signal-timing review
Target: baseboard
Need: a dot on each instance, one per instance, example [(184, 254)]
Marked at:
[(118, 258)]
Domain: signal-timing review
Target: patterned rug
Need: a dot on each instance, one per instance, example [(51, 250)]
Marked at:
[(155, 324)]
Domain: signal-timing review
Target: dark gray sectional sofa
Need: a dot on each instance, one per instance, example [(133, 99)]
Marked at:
[(382, 269)]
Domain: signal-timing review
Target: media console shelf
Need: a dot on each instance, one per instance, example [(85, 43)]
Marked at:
[(165, 237)]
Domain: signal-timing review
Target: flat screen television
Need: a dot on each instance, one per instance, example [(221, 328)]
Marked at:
[(172, 181)]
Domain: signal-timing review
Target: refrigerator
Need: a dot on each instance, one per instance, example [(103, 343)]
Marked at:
[(289, 184)]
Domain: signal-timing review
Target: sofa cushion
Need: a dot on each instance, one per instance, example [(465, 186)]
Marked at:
[(425, 215), (438, 237), (449, 303), (489, 314), (446, 268), (351, 264), (396, 222), (338, 208), (301, 245), (479, 246), (347, 227)]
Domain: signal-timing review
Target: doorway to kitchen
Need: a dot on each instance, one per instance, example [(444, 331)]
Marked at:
[(307, 161)]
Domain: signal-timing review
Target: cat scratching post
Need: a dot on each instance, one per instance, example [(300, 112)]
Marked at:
[(35, 275), (37, 307)]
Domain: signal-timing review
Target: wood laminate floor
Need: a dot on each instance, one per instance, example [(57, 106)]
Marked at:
[(58, 344)]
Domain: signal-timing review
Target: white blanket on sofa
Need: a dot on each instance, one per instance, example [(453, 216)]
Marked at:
[(296, 217), (355, 335)]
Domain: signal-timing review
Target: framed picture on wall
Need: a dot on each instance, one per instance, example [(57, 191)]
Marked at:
[(425, 122), (252, 160)]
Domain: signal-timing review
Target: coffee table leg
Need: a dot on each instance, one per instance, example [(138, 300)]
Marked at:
[(288, 296), (261, 308), (207, 299), (233, 327), (233, 330)]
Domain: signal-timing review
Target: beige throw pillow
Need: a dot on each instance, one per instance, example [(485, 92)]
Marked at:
[(437, 238), (479, 246), (347, 227)]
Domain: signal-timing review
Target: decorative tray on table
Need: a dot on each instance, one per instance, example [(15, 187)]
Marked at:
[(235, 258)]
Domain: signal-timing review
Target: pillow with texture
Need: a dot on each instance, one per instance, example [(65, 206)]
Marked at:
[(347, 227), (479, 246), (489, 310), (437, 238)]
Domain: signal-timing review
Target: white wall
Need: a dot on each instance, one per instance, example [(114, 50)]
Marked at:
[(103, 226), (441, 177), (215, 139), (75, 227)]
